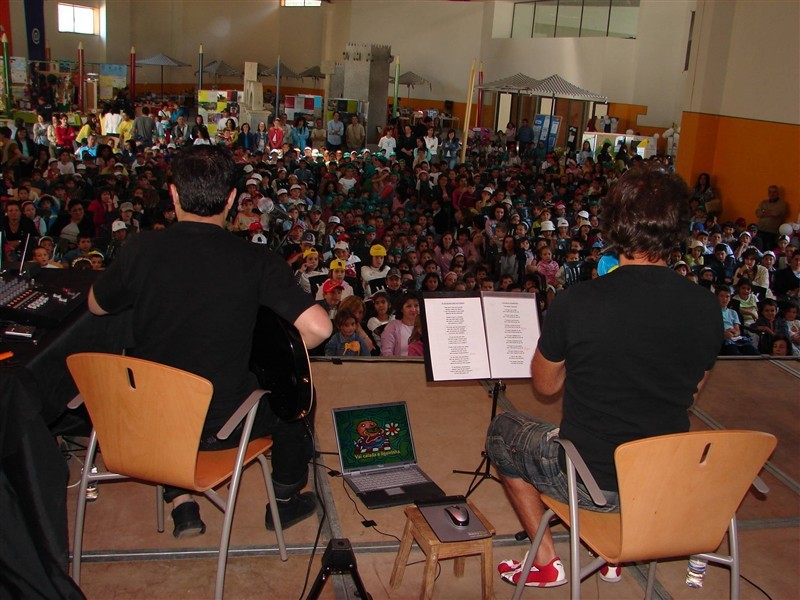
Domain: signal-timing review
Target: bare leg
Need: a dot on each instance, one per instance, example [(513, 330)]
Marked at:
[(525, 499)]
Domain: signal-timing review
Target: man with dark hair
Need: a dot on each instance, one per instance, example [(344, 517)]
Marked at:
[(629, 372), (144, 127), (194, 291)]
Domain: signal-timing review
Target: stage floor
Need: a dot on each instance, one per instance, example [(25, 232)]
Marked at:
[(126, 558)]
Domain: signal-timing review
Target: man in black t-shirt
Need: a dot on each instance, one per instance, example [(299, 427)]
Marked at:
[(630, 371), (194, 291)]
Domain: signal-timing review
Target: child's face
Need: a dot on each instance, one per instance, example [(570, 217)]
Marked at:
[(744, 291), (546, 255), (723, 298), (97, 262), (337, 274), (381, 305), (708, 275), (769, 311), (348, 327), (790, 314), (312, 260), (779, 348), (41, 256)]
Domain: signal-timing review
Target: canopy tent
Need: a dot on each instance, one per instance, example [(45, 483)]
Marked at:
[(219, 68), (515, 84), (410, 79), (313, 73), (285, 71), (556, 86), (162, 60)]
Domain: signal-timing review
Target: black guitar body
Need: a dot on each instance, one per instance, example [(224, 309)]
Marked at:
[(280, 362)]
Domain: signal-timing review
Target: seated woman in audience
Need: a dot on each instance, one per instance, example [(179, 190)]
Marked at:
[(345, 341), (445, 251), (703, 192), (394, 341), (355, 306), (757, 274), (734, 344)]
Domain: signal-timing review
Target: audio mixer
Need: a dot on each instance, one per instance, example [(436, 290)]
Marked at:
[(27, 301)]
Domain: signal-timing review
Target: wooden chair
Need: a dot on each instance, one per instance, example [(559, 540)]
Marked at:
[(148, 419), (678, 497)]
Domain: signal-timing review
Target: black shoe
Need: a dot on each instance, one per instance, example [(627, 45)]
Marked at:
[(293, 510), (186, 518)]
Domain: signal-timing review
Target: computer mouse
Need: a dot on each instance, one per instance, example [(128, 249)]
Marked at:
[(458, 515)]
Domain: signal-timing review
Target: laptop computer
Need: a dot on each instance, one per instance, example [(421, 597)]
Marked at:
[(376, 453)]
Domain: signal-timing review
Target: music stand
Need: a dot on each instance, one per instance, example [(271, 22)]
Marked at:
[(479, 336)]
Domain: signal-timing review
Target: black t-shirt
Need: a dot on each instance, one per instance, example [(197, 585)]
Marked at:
[(195, 291), (636, 343)]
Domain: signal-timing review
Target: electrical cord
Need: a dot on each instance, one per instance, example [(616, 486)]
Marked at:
[(365, 520), (322, 505), (759, 588)]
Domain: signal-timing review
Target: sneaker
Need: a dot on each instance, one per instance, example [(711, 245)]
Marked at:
[(510, 565), (549, 575), (293, 510), (610, 573), (186, 517)]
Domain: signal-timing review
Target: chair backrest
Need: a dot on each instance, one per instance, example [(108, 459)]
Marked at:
[(148, 417), (679, 492)]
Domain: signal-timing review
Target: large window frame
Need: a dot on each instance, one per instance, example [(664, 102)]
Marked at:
[(77, 18), (540, 24)]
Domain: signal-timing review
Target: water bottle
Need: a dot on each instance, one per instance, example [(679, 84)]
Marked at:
[(696, 571)]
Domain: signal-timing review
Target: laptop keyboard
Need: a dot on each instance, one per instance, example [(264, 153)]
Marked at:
[(387, 479)]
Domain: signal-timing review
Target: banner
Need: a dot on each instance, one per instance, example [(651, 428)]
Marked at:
[(5, 22), (34, 23)]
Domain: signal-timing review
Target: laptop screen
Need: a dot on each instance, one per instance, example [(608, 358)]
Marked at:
[(373, 436)]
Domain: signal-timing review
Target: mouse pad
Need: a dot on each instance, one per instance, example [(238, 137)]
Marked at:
[(446, 530)]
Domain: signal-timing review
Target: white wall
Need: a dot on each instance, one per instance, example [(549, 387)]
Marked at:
[(748, 60)]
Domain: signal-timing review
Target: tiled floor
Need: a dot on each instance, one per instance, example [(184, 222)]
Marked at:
[(449, 423)]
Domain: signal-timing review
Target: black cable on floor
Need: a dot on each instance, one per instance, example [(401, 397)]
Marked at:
[(759, 588), (364, 519)]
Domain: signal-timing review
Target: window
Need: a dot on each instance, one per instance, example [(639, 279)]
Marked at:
[(301, 2), (77, 19), (575, 18)]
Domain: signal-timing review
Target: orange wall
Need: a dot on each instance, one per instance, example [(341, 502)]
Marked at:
[(743, 157)]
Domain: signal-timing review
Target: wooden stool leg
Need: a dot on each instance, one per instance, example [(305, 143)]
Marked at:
[(487, 570), (402, 556), (458, 566), (429, 576)]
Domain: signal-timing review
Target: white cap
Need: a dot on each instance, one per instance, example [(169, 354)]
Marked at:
[(334, 220), (256, 176), (341, 246), (547, 226), (562, 223), (251, 182), (247, 168), (118, 225), (282, 191), (296, 187), (583, 214)]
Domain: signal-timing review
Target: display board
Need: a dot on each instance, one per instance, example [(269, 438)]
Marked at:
[(211, 103)]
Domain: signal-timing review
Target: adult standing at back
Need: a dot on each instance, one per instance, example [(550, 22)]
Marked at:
[(355, 134), (770, 213), (144, 127), (335, 131), (630, 372)]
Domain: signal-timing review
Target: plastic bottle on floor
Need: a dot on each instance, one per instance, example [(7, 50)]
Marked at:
[(695, 572)]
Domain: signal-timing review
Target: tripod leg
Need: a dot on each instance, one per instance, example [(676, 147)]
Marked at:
[(319, 583)]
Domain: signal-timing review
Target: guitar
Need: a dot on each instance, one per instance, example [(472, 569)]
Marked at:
[(279, 359)]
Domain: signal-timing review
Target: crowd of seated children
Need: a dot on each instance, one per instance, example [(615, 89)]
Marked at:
[(378, 226)]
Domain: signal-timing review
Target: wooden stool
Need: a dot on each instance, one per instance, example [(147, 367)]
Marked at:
[(417, 529)]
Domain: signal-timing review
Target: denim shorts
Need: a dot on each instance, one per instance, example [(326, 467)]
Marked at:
[(520, 447)]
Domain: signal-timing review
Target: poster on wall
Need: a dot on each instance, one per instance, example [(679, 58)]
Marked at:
[(112, 79), (211, 103), (545, 129), (19, 70)]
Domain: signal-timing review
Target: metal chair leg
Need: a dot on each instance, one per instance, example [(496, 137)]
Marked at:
[(160, 508), (733, 542), (273, 507), (651, 580), (80, 516), (544, 523)]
